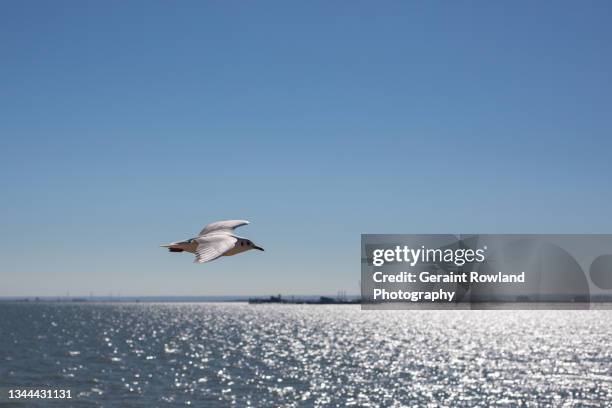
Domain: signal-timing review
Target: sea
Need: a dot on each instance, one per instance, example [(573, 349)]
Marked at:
[(279, 355)]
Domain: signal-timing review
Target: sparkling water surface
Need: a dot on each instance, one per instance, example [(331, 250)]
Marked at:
[(235, 354)]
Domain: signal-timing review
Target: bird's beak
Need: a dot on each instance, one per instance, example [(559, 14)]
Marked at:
[(256, 247)]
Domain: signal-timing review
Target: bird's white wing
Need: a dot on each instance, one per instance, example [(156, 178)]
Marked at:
[(213, 246), (222, 227)]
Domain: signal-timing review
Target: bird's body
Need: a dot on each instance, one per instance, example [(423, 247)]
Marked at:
[(215, 240)]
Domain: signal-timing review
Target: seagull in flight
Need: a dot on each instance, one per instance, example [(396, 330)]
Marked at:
[(215, 240)]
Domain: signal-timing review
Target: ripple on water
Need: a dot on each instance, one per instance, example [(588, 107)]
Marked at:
[(266, 355)]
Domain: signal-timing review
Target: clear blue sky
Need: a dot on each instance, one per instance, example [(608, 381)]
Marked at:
[(125, 125)]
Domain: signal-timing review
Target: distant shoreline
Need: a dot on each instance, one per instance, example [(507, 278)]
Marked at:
[(294, 299), (151, 299)]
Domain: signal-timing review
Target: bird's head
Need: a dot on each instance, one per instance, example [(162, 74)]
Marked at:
[(253, 246)]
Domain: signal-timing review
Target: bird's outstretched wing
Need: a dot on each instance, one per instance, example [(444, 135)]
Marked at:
[(221, 227), (213, 246)]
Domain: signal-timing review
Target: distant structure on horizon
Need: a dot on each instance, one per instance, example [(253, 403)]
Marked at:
[(323, 300)]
